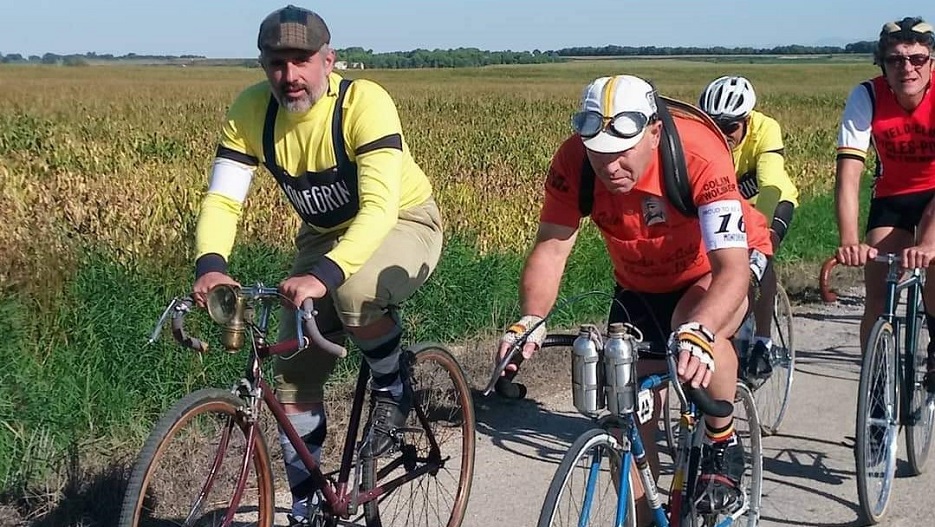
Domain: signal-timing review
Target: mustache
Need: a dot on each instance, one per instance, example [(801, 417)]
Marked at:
[(291, 86)]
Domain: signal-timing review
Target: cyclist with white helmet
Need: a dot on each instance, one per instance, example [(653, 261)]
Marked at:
[(895, 114), (756, 143)]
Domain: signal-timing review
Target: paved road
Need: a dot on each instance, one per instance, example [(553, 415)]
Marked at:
[(809, 477)]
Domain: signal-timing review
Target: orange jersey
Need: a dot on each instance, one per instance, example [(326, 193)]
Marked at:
[(654, 248)]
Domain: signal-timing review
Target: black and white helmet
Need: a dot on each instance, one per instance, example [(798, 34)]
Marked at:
[(728, 98)]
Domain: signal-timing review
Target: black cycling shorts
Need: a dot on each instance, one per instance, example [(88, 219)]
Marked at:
[(651, 313), (903, 211)]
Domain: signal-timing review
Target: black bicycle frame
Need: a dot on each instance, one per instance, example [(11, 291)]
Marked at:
[(908, 323)]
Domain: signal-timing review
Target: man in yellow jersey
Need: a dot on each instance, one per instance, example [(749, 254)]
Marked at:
[(756, 143), (371, 233)]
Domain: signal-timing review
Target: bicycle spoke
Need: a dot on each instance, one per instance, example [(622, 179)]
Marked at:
[(197, 460), (877, 426), (442, 439)]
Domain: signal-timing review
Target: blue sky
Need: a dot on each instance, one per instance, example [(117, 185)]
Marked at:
[(227, 28)]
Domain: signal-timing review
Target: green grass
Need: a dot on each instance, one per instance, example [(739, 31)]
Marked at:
[(813, 235)]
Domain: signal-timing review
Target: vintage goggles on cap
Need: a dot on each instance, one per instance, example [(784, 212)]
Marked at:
[(625, 124)]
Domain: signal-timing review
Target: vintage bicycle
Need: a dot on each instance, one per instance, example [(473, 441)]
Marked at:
[(891, 393), (591, 485), (206, 462)]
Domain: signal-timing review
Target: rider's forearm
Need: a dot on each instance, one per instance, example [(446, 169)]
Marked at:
[(846, 196), (215, 232), (782, 218), (539, 283), (730, 280), (380, 174)]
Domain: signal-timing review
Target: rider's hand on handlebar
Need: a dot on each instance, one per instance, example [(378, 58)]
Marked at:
[(207, 282), (918, 256), (694, 344), (533, 342), (301, 287), (855, 255)]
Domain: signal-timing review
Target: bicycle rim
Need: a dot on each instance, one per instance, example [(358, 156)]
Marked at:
[(188, 469), (920, 414), (586, 480), (747, 425), (876, 428), (439, 497), (772, 398)]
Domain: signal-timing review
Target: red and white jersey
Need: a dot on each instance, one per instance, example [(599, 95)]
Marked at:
[(904, 141)]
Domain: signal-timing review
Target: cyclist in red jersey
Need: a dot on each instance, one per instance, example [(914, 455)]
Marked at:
[(895, 114), (678, 277)]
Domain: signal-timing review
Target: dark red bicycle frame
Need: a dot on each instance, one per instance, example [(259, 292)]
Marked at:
[(337, 498)]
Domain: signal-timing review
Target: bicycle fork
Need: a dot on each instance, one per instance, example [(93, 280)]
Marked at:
[(219, 456), (633, 452)]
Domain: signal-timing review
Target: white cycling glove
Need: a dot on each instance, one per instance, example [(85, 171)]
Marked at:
[(695, 339), (526, 323)]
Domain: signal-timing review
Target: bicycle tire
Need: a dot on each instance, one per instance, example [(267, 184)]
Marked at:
[(753, 441), (423, 354), (873, 502), (595, 437), (783, 357), (139, 498), (920, 417)]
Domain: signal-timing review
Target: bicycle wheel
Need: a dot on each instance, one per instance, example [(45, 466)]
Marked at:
[(748, 426), (772, 398), (584, 488), (189, 467), (920, 416), (877, 408), (444, 408)]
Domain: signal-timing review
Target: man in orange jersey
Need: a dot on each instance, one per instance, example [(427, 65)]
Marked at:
[(683, 277)]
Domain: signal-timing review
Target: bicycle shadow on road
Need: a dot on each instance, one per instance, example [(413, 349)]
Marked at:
[(839, 362), (525, 427), (808, 513), (799, 473)]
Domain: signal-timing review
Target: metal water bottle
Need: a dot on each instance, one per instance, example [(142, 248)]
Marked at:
[(620, 370), (587, 388)]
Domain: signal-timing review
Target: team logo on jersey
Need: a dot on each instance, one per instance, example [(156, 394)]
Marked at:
[(654, 211)]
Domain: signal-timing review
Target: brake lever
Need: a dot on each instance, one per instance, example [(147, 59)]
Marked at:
[(502, 364), (173, 306)]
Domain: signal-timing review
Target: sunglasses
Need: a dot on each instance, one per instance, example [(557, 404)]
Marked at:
[(917, 59), (625, 124), (729, 127)]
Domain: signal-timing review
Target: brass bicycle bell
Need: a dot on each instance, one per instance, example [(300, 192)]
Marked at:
[(226, 307)]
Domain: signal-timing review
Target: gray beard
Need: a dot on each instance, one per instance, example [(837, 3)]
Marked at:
[(304, 103)]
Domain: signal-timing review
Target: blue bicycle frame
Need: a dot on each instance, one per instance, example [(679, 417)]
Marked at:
[(683, 480)]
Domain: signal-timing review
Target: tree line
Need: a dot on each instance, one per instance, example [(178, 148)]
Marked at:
[(461, 57), (76, 59), (862, 47)]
